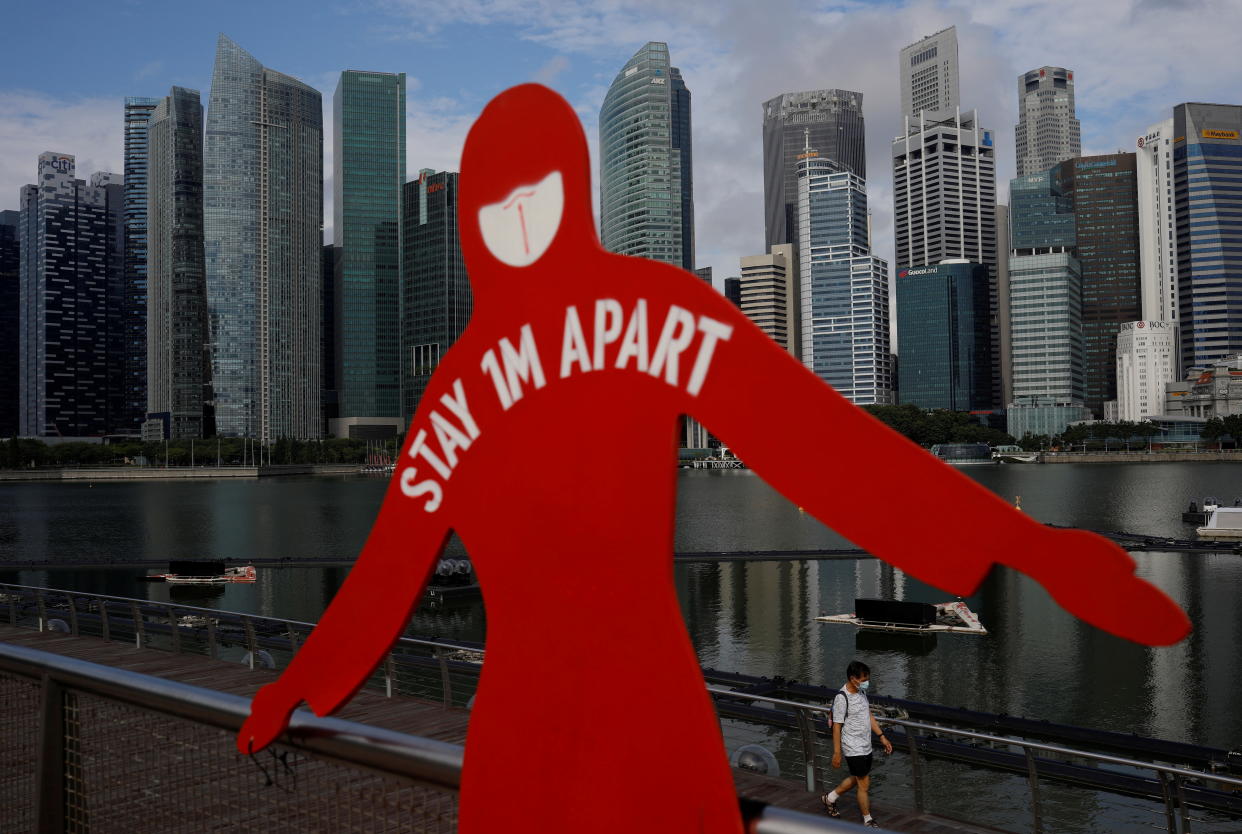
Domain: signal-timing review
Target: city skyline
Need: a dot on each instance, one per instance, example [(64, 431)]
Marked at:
[(726, 54)]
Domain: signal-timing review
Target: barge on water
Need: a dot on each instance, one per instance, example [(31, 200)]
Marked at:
[(910, 617)]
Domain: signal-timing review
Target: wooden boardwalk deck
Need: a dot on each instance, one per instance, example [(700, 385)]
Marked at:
[(396, 803)]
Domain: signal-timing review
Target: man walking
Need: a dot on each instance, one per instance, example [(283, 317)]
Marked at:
[(852, 726)]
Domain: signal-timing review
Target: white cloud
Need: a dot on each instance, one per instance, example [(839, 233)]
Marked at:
[(90, 129)]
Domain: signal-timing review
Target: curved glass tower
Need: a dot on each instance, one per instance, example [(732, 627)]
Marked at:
[(263, 230), (646, 173)]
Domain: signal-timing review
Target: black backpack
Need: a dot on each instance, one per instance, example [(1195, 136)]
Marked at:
[(833, 702)]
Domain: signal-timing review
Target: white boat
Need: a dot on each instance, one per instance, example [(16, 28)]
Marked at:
[(245, 573), (1224, 523), (954, 617)]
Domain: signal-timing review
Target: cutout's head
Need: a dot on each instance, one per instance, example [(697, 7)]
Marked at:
[(525, 188)]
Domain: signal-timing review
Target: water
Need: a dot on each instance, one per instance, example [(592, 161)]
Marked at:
[(755, 618)]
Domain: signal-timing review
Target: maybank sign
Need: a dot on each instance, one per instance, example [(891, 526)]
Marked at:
[(1212, 133)]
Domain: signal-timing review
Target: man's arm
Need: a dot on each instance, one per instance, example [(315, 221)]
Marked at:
[(893, 498), (836, 743), (366, 617), (875, 728)]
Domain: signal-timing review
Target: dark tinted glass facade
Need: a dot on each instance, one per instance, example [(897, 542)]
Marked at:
[(1104, 194), (1207, 187), (69, 262), (436, 297), (178, 362), (9, 295), (832, 122), (946, 353), (369, 173), (137, 118)]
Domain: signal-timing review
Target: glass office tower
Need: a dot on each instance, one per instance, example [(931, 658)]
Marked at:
[(368, 161), (178, 363), (436, 296), (845, 303), (828, 120), (263, 225), (646, 173), (946, 355), (1207, 182)]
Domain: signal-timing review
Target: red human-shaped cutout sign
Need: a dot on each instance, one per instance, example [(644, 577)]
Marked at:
[(569, 348)]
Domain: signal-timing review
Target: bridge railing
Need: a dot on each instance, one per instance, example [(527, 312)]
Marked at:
[(1142, 793), (91, 747), (1022, 772)]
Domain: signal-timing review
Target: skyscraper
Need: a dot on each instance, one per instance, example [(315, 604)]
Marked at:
[(1207, 148), (1104, 200), (263, 221), (9, 321), (436, 297), (138, 111), (769, 293), (946, 359), (1146, 360), (1047, 131), (646, 171), (830, 121), (1045, 292), (368, 175), (68, 264), (178, 362), (944, 204), (845, 303), (1157, 223), (929, 76)]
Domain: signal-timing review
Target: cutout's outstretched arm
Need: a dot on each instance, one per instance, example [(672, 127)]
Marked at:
[(898, 502), (365, 618)]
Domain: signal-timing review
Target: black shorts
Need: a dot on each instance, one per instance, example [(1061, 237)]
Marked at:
[(859, 766)]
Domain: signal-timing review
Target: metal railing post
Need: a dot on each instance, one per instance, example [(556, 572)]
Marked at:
[(446, 685), (1170, 817), (138, 631), (251, 645), (293, 639), (42, 611), (388, 676), (176, 630), (73, 614), (1181, 803), (916, 769), (806, 728), (104, 629), (1032, 775), (50, 791), (211, 638)]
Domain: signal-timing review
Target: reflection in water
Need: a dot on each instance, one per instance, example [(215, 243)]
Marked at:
[(753, 617)]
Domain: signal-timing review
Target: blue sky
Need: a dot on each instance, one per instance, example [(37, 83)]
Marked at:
[(65, 69)]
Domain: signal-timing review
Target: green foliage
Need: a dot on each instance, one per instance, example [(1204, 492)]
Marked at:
[(928, 428)]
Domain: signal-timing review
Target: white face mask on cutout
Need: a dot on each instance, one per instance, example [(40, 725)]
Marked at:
[(520, 228)]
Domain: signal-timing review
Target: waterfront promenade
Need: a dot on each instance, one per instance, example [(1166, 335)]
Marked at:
[(163, 771), (166, 473)]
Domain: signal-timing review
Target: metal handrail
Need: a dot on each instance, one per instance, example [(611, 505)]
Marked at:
[(1029, 745), (214, 612), (391, 753)]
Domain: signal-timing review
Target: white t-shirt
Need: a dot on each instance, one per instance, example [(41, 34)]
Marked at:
[(855, 727)]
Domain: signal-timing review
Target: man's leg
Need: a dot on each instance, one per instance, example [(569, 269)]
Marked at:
[(846, 784), (830, 799), (864, 801)]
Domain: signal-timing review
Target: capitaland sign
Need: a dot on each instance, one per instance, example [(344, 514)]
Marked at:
[(1103, 163), (1213, 133)]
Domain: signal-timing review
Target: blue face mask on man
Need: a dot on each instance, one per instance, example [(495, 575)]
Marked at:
[(864, 685)]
